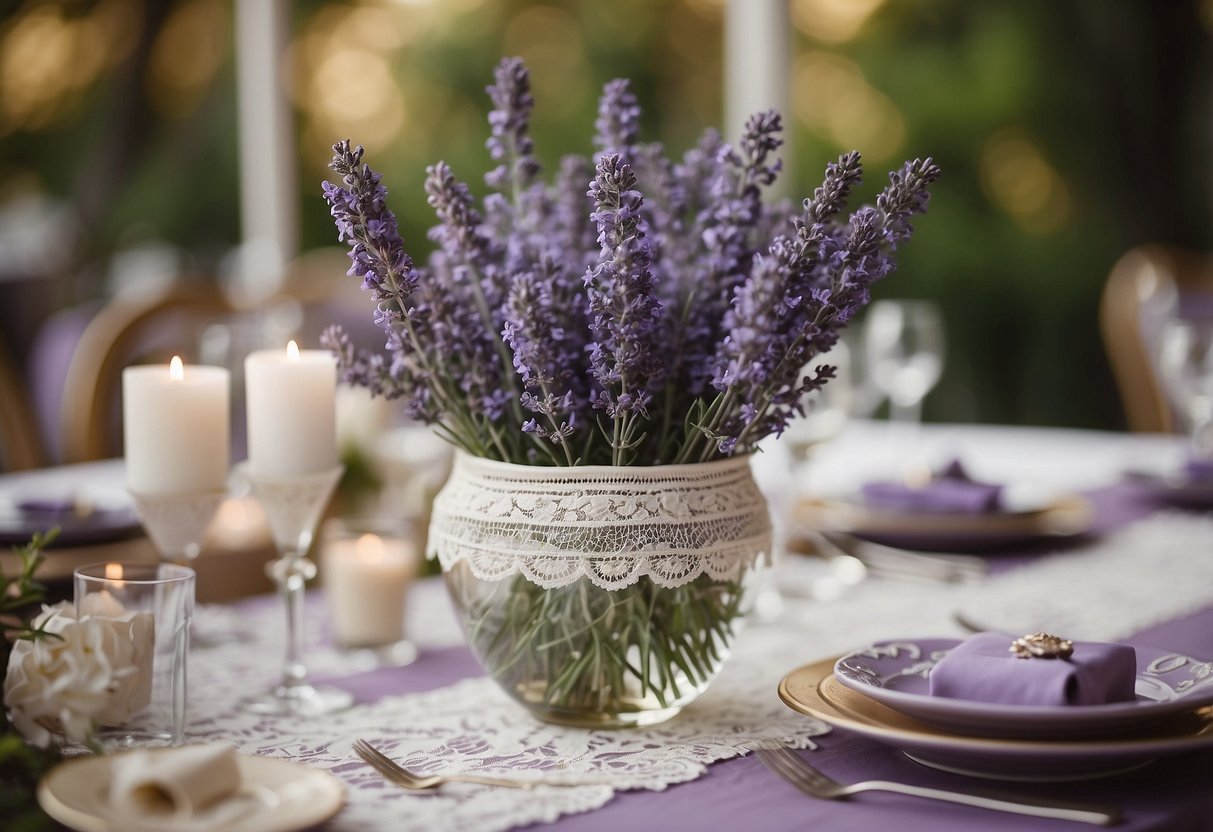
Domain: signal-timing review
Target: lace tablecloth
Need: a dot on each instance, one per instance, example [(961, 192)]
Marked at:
[(1126, 581)]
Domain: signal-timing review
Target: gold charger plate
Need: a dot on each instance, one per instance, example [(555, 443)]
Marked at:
[(1062, 516), (812, 690), (276, 796)]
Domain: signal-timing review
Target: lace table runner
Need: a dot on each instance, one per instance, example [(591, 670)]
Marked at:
[(472, 726)]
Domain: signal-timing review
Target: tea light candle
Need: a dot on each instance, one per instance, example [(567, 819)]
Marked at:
[(365, 581), (175, 428), (291, 401)]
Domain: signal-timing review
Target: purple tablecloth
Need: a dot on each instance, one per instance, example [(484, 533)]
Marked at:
[(1174, 794)]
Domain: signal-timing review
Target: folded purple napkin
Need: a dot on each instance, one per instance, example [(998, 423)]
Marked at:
[(1199, 469), (949, 491), (983, 668)]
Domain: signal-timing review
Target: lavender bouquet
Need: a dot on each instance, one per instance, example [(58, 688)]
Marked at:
[(634, 311)]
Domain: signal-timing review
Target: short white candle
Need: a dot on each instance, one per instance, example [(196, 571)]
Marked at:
[(365, 581), (291, 399), (175, 426)]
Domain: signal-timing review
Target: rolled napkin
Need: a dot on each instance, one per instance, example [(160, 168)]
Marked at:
[(174, 782), (984, 668), (949, 491)]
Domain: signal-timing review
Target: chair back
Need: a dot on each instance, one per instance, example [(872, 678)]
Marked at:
[(1146, 286)]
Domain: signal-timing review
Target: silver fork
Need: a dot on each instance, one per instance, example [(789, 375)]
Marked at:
[(791, 767), (395, 773)]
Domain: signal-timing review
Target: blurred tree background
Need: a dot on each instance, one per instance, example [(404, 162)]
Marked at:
[(1068, 132)]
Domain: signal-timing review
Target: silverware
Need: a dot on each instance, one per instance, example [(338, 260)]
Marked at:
[(791, 767), (899, 563), (395, 773)]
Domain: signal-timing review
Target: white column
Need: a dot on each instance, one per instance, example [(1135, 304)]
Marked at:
[(269, 190), (757, 67)]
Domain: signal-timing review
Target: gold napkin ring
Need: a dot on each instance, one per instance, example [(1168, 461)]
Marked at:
[(1042, 646)]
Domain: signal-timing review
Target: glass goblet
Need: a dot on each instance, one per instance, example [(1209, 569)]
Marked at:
[(904, 353)]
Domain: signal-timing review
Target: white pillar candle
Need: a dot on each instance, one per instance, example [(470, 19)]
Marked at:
[(175, 428), (291, 399), (365, 581), (757, 48)]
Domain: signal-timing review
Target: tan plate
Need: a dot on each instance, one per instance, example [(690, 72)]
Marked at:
[(812, 690), (1066, 515), (276, 796)]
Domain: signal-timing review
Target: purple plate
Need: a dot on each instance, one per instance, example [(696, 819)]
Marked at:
[(894, 673), (98, 516), (1174, 488), (814, 690), (1062, 516)]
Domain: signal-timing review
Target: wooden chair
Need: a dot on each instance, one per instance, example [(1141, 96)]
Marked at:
[(108, 344), (1147, 284), (20, 445)]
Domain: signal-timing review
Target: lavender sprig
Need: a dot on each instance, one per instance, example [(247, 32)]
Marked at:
[(510, 143), (617, 127), (625, 314)]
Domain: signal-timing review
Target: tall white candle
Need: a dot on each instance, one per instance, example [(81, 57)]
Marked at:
[(175, 427), (291, 399), (757, 48), (365, 582)]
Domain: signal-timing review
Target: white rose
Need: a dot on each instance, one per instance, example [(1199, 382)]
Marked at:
[(97, 670)]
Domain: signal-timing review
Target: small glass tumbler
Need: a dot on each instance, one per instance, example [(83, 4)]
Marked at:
[(149, 607), (367, 566)]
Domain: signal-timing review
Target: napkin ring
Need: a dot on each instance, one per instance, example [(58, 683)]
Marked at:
[(1042, 646)]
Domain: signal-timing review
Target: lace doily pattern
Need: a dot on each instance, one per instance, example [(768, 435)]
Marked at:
[(612, 525)]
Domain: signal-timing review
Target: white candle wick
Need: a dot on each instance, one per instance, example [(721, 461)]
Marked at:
[(292, 351), (370, 548), (176, 369)]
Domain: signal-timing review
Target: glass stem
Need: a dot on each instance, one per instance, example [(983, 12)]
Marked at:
[(294, 672), (906, 414)]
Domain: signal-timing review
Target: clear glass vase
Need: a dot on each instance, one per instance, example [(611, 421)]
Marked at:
[(586, 656), (600, 596)]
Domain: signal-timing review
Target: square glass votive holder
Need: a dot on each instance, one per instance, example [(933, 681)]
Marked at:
[(367, 566), (150, 607)]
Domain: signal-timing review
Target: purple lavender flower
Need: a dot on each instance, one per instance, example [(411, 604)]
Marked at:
[(724, 230), (618, 124), (510, 143), (625, 315), (546, 356), (558, 326)]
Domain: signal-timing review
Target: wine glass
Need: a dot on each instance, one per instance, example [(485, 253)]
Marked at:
[(904, 347), (827, 409), (1186, 366)]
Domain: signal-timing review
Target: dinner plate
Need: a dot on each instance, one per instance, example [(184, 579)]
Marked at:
[(1174, 488), (812, 690), (896, 674), (1061, 516), (276, 796), (87, 516)]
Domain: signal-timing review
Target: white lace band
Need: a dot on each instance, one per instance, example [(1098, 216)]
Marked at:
[(613, 525)]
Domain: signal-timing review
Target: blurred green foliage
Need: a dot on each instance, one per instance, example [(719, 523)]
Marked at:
[(1068, 132)]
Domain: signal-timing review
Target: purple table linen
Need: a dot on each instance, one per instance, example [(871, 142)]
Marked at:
[(1170, 795)]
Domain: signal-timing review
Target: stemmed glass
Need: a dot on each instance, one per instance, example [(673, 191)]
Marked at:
[(294, 506), (1186, 365), (904, 353)]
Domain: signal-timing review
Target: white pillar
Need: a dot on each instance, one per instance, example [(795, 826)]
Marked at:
[(757, 67), (269, 190)]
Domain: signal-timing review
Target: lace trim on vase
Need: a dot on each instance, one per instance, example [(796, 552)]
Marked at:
[(611, 525)]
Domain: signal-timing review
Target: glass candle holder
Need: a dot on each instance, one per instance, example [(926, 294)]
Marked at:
[(149, 607), (367, 566)]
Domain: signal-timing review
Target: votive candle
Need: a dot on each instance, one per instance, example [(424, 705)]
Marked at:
[(366, 578)]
